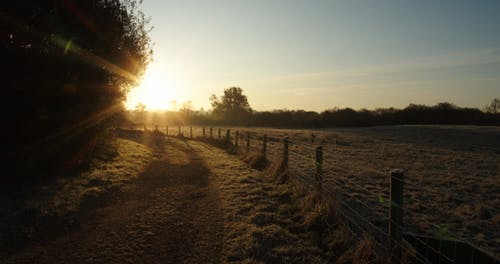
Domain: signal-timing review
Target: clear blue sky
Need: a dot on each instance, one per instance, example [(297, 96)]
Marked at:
[(316, 55)]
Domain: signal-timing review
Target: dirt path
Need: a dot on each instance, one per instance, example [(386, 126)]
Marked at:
[(195, 204), (172, 214)]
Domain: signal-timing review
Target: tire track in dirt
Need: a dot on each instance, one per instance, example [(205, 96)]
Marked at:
[(170, 214)]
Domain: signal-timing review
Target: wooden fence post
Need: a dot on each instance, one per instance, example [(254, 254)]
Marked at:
[(191, 132), (211, 133), (179, 130), (396, 215), (264, 145), (167, 130), (203, 133), (145, 129), (219, 134), (285, 153), (228, 136), (248, 141), (319, 167), (236, 138)]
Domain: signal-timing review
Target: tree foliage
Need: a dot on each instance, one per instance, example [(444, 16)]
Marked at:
[(441, 113), (67, 66), (232, 107)]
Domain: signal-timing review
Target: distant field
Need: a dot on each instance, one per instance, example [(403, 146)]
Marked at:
[(452, 173)]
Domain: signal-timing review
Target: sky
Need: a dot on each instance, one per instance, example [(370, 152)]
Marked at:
[(317, 55)]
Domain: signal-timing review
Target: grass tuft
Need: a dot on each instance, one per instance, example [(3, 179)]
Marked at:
[(279, 172), (365, 252), (256, 161)]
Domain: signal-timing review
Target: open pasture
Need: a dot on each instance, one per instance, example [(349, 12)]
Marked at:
[(451, 179)]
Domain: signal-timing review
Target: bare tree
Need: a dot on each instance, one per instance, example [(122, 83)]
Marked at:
[(494, 107)]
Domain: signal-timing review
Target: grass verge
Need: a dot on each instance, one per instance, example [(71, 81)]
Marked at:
[(299, 215), (47, 210)]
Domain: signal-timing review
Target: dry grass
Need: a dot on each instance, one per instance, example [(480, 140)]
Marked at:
[(256, 161), (55, 207), (262, 221), (271, 220), (452, 173), (320, 217), (365, 252), (262, 224), (102, 178)]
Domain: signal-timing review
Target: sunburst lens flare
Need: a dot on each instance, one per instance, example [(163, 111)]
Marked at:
[(156, 91)]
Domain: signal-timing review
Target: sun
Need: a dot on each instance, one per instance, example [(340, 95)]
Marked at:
[(156, 91)]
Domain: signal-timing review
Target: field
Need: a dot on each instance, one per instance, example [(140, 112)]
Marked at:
[(157, 196), (452, 173), (172, 201)]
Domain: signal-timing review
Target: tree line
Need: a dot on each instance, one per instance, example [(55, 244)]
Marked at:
[(441, 113), (232, 108)]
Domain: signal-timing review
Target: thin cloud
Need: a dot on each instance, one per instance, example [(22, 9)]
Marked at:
[(446, 61)]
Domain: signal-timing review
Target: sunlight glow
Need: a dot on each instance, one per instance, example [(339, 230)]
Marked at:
[(157, 91)]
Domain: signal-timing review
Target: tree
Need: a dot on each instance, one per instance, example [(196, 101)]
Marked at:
[(187, 108), (232, 107), (494, 107), (69, 65)]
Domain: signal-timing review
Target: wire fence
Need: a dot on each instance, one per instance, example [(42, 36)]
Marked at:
[(375, 210)]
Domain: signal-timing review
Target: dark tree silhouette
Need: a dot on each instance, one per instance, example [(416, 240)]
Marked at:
[(442, 113), (232, 107), (66, 68), (494, 107)]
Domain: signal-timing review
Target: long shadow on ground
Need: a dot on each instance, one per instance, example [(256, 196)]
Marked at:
[(170, 214)]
